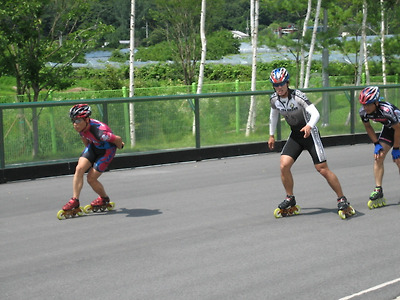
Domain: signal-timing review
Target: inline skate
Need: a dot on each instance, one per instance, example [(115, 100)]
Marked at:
[(288, 207), (345, 210), (100, 204), (376, 198), (70, 209)]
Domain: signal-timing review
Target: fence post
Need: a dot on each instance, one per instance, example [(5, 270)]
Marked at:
[(197, 121), (352, 112), (237, 107), (105, 113), (2, 154), (52, 127), (126, 116)]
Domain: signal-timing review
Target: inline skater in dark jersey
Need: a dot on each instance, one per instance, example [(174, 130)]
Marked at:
[(389, 115), (100, 147), (302, 116)]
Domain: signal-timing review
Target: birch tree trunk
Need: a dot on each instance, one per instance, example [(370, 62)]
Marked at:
[(312, 45), (362, 55), (131, 76), (364, 33), (251, 120), (302, 55), (383, 43), (361, 58), (203, 46), (203, 53)]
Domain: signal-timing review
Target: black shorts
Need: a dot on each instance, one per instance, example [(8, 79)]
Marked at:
[(100, 158), (387, 136), (296, 143)]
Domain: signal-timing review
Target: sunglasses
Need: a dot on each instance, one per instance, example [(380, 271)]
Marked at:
[(279, 84), (76, 121)]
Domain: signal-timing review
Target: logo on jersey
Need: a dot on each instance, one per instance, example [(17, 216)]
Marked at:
[(105, 137), (282, 108)]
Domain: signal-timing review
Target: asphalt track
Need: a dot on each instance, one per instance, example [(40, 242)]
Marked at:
[(205, 230)]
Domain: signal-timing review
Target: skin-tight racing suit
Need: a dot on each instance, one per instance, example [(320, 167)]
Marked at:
[(100, 150), (297, 111)]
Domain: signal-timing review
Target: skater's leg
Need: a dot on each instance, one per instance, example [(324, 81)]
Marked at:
[(286, 174), (83, 165), (379, 165), (330, 177), (97, 186)]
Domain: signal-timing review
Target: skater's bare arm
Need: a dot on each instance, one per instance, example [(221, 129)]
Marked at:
[(118, 142), (371, 132)]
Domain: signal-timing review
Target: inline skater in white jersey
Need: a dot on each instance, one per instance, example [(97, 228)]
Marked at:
[(302, 116)]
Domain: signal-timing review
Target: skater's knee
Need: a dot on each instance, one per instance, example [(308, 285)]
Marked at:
[(93, 176), (91, 179), (379, 160), (285, 168), (286, 163), (323, 170), (80, 170)]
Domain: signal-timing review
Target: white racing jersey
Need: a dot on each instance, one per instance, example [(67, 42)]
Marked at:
[(296, 109)]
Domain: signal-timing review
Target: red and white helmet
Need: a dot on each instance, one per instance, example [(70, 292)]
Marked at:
[(80, 111), (279, 75), (369, 95)]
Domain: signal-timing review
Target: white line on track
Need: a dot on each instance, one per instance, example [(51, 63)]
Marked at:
[(377, 287)]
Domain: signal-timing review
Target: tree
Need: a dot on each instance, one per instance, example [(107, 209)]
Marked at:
[(203, 45), (383, 41), (251, 120), (364, 41), (312, 45), (203, 52), (132, 127), (303, 35), (37, 32), (179, 20)]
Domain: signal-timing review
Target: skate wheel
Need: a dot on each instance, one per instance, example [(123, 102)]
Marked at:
[(352, 210), (60, 215), (297, 211), (370, 204), (88, 209), (277, 213), (80, 212), (342, 215), (111, 206)]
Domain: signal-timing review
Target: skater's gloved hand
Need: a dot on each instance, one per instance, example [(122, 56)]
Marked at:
[(395, 153), (378, 148)]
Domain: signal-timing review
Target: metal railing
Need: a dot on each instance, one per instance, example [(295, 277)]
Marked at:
[(166, 122)]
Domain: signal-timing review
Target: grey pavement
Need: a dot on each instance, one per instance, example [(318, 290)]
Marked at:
[(205, 230)]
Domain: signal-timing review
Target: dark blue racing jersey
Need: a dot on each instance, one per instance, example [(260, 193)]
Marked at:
[(386, 113)]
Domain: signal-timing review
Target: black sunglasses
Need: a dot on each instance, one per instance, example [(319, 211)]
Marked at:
[(76, 121), (279, 84)]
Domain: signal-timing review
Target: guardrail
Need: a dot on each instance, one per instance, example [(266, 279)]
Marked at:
[(322, 95)]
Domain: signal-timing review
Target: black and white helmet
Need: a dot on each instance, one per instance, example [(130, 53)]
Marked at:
[(80, 111)]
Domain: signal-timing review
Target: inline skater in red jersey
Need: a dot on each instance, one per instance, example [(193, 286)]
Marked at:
[(100, 148)]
